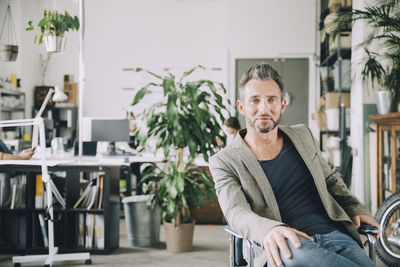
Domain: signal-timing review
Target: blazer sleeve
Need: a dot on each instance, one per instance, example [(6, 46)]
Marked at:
[(235, 206), (338, 189)]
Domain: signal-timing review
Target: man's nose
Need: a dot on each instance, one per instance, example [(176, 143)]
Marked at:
[(264, 105)]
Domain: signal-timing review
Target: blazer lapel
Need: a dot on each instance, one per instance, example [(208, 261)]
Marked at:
[(308, 153), (255, 169)]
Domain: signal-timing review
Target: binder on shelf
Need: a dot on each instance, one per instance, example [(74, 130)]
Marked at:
[(92, 197), (84, 194), (89, 237), (13, 194), (99, 231), (101, 191), (43, 229), (39, 192), (81, 225)]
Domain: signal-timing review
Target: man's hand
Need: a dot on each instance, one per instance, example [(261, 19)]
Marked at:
[(358, 219), (275, 240), (25, 154)]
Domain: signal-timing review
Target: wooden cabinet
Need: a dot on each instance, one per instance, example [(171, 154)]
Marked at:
[(388, 154)]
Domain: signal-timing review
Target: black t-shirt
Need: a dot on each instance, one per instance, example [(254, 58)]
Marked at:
[(295, 191)]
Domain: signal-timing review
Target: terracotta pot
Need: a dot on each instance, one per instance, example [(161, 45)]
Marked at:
[(179, 239), (8, 52)]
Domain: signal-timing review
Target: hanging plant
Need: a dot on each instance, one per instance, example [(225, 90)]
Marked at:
[(53, 27), (8, 45)]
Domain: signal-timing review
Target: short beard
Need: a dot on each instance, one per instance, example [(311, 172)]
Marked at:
[(265, 130)]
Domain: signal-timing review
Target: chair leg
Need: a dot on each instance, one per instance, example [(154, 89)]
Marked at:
[(371, 244), (251, 253), (231, 251)]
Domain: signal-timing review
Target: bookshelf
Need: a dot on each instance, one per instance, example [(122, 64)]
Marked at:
[(20, 228), (388, 154)]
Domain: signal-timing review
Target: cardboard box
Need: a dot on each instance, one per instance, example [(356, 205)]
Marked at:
[(331, 100), (71, 89)]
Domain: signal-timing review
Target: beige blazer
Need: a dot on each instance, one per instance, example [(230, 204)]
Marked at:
[(248, 202)]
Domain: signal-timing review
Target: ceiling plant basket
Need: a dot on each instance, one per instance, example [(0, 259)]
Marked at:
[(53, 27), (8, 38)]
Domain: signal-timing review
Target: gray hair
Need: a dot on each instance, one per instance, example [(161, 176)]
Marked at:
[(261, 72)]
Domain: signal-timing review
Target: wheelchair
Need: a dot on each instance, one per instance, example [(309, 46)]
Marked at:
[(236, 242)]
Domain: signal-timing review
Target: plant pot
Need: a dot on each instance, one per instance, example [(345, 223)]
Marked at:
[(383, 101), (54, 44), (8, 52), (179, 239)]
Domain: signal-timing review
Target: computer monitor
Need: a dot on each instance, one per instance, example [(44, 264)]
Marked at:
[(106, 129)]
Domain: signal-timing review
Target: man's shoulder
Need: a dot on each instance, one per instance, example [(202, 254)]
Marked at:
[(225, 154), (296, 127), (298, 130)]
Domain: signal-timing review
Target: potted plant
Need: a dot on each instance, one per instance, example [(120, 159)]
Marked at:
[(381, 66), (53, 26), (189, 116)]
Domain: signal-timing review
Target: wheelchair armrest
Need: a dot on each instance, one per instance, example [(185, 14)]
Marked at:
[(232, 232), (237, 247), (367, 229)]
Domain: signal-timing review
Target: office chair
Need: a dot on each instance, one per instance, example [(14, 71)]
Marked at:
[(236, 258)]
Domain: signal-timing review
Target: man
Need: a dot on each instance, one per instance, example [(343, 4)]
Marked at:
[(6, 154), (277, 191)]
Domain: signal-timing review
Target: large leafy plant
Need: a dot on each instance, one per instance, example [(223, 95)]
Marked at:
[(381, 46), (189, 115), (54, 24), (177, 192)]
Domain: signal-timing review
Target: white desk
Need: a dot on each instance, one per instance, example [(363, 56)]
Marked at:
[(87, 160)]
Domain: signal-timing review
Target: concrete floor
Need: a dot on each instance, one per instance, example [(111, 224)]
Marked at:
[(210, 249)]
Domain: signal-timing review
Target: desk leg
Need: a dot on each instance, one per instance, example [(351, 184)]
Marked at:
[(125, 173), (135, 169)]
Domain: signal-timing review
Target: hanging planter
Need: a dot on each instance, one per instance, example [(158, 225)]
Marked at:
[(8, 45), (55, 44), (53, 26)]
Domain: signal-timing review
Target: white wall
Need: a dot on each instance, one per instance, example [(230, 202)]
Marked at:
[(274, 29), (155, 34)]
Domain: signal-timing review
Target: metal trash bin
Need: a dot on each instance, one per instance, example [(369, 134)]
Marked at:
[(142, 223)]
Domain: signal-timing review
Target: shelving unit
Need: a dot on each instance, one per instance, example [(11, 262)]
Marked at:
[(330, 59), (20, 231), (12, 104), (388, 154), (60, 121)]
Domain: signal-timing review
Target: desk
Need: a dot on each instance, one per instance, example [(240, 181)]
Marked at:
[(20, 228), (134, 162)]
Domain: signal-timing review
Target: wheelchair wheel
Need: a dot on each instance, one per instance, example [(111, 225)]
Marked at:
[(388, 217)]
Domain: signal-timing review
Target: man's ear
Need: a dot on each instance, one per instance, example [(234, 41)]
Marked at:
[(240, 107), (284, 103)]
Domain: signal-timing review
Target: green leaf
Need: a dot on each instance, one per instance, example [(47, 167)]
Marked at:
[(140, 94)]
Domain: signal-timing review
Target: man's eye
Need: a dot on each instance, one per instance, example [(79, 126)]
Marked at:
[(273, 100), (254, 100)]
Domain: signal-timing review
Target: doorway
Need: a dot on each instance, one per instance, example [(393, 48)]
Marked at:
[(295, 73)]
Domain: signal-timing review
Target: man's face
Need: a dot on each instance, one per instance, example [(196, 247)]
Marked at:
[(262, 105)]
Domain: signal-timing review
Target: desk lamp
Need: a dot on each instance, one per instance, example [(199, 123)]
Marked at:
[(39, 131)]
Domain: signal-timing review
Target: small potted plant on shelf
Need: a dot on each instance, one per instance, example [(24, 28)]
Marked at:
[(53, 27), (381, 48), (189, 116)]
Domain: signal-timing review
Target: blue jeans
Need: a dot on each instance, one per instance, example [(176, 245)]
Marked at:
[(332, 249)]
